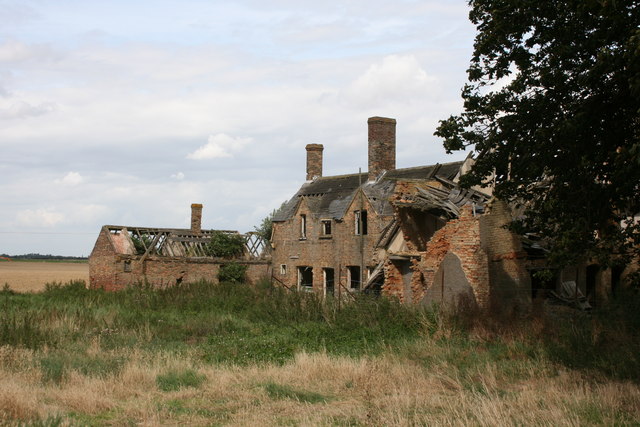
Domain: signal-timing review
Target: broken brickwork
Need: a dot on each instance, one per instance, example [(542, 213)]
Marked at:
[(125, 256)]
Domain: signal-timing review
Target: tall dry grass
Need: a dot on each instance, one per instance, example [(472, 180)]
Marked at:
[(380, 390), (204, 355)]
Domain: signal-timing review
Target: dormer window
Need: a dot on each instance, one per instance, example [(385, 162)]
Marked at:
[(325, 228), (360, 222)]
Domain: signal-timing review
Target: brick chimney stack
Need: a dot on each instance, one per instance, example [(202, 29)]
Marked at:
[(382, 146), (314, 161), (196, 218)]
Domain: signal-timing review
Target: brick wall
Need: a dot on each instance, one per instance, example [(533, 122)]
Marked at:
[(112, 271), (491, 258), (343, 248)]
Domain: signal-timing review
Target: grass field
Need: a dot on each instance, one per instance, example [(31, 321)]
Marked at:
[(31, 276), (229, 354)]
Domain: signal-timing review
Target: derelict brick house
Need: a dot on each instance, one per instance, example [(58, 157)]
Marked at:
[(411, 233), (325, 237), (416, 235), (123, 256)]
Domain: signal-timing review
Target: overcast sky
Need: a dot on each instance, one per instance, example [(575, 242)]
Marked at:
[(126, 112)]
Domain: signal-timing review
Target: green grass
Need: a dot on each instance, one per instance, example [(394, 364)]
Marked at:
[(238, 324), (173, 380), (227, 323)]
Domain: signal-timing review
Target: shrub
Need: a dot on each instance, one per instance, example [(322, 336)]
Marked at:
[(225, 245), (232, 272)]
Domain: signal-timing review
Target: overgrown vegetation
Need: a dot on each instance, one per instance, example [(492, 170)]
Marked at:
[(232, 272), (227, 353), (225, 245)]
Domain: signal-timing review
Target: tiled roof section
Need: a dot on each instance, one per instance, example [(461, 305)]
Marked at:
[(329, 197)]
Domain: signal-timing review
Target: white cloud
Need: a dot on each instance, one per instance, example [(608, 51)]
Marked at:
[(177, 176), (71, 179), (396, 78), (44, 217), (219, 146), (13, 51), (22, 109)]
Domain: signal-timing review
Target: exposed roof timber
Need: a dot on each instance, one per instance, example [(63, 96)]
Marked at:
[(184, 242)]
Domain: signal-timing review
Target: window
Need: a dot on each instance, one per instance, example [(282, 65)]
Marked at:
[(127, 266), (360, 222), (303, 226), (283, 269), (325, 228), (353, 276), (329, 281), (305, 278)]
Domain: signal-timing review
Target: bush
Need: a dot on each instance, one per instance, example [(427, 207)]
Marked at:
[(225, 245), (232, 272)]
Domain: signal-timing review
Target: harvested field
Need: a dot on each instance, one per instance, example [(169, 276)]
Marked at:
[(32, 276)]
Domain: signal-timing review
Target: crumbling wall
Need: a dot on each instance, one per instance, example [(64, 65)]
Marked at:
[(460, 237), (124, 270), (510, 282), (471, 252), (101, 261)]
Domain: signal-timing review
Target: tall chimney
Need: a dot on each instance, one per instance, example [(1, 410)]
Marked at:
[(314, 161), (382, 146), (196, 218)]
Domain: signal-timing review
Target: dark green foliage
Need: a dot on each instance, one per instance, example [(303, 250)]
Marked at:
[(225, 245), (141, 242), (175, 380), (232, 272), (552, 109)]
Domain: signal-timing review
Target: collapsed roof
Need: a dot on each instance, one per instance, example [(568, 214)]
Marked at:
[(330, 197)]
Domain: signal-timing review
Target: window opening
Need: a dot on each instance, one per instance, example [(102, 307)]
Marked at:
[(329, 281), (361, 222), (353, 276), (303, 226), (283, 269), (127, 266), (326, 227), (305, 278)]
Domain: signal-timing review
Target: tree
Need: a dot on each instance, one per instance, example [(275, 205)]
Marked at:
[(265, 228), (552, 109)]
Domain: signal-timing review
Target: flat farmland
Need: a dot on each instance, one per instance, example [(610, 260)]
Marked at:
[(32, 276)]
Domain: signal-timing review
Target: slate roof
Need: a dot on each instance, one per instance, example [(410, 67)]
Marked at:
[(329, 197)]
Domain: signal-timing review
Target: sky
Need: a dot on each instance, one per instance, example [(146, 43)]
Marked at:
[(127, 112)]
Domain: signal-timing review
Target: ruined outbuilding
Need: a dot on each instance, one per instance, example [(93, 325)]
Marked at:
[(124, 256)]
